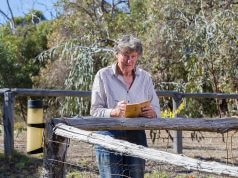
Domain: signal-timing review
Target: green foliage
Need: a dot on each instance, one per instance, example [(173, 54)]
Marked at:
[(91, 46), (167, 113), (18, 52), (81, 76), (32, 17), (134, 22), (11, 74), (190, 46), (192, 43), (84, 61)]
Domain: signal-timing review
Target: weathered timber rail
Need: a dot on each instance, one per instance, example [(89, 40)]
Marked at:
[(219, 125), (50, 92), (9, 95), (61, 129), (45, 92), (198, 95)]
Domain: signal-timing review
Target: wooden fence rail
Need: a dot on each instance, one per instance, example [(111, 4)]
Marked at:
[(219, 125), (61, 129), (45, 92), (8, 100)]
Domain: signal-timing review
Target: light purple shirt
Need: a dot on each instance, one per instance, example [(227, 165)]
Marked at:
[(109, 88)]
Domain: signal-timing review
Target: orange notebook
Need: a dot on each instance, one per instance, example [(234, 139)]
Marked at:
[(134, 110)]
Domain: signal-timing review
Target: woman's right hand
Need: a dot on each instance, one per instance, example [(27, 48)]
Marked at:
[(119, 110)]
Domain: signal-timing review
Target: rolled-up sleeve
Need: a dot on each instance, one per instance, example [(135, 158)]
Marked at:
[(99, 99), (154, 98)]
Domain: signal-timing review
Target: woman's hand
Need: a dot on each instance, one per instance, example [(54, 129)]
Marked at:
[(148, 112), (119, 110)]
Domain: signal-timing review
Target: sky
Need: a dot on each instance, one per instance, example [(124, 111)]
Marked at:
[(21, 7)]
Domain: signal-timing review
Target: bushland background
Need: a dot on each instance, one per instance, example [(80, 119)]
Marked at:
[(189, 46)]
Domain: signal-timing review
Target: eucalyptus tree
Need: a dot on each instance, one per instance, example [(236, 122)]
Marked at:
[(190, 46), (84, 37), (194, 48)]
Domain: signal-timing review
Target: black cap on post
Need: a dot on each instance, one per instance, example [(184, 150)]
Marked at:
[(35, 104)]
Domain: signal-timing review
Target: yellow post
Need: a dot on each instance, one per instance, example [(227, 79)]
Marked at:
[(35, 127)]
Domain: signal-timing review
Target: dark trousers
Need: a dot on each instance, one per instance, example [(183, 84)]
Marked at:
[(112, 164)]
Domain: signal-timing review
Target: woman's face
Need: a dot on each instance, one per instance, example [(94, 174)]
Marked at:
[(127, 61)]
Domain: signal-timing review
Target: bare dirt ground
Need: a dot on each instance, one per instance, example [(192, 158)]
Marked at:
[(81, 156)]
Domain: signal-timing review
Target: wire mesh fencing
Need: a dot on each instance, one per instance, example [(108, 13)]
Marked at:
[(205, 146)]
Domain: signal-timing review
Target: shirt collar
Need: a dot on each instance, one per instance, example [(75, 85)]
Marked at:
[(114, 71)]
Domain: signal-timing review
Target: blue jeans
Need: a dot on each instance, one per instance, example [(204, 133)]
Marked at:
[(112, 164)]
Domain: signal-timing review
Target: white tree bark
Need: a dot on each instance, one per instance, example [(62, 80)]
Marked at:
[(144, 152)]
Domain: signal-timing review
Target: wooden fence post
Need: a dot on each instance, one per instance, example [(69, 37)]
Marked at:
[(8, 123), (55, 150), (177, 135)]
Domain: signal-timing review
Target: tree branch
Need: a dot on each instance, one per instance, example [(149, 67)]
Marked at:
[(5, 15), (12, 17), (72, 4)]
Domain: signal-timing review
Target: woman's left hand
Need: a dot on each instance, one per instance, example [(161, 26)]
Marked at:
[(148, 112)]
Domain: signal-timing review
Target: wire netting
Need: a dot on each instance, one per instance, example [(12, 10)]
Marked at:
[(206, 146)]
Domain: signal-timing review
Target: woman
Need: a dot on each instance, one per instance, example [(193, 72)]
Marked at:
[(115, 86)]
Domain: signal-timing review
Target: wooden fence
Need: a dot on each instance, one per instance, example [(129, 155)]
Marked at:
[(9, 95), (8, 101), (59, 131)]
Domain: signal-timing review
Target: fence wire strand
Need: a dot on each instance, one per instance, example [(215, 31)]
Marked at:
[(81, 158), (222, 148)]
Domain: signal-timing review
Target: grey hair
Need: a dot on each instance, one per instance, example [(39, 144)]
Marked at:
[(128, 43)]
